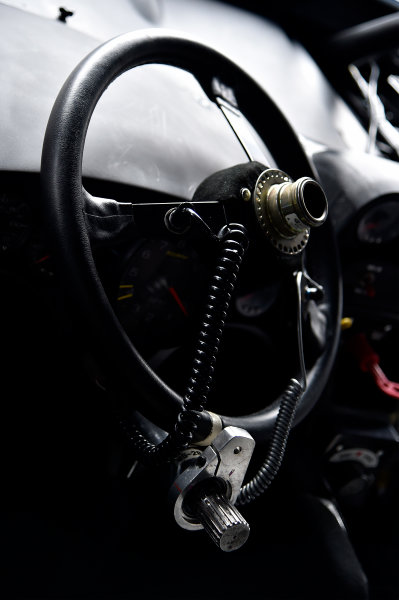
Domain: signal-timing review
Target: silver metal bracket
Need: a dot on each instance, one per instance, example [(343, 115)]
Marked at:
[(306, 288), (226, 460)]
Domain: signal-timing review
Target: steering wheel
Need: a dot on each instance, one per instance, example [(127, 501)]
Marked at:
[(66, 205)]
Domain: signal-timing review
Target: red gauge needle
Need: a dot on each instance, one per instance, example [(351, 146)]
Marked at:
[(42, 259), (178, 301), (371, 225)]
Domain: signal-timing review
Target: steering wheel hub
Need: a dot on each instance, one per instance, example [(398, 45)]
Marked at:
[(287, 209)]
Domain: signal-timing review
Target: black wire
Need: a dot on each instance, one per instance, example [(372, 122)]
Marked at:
[(269, 469), (234, 242)]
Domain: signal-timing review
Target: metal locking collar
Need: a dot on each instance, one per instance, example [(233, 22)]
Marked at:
[(287, 209), (205, 492)]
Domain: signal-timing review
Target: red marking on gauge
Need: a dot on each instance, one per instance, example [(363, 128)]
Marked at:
[(42, 259), (180, 304), (371, 225)]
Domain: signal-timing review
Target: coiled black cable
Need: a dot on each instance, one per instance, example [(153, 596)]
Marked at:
[(269, 469), (234, 242)]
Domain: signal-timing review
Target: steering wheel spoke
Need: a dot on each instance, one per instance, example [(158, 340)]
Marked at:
[(247, 137), (107, 220)]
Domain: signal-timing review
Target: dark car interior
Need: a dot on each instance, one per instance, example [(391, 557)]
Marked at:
[(199, 255)]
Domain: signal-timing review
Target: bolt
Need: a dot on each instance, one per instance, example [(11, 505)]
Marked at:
[(313, 293), (237, 450), (245, 194)]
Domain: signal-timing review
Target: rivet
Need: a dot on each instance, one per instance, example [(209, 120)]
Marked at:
[(245, 194)]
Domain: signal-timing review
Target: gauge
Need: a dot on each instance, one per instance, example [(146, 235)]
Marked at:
[(162, 289), (372, 287), (257, 302), (15, 222), (380, 224)]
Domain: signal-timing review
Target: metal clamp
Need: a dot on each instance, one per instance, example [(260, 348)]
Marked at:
[(225, 462)]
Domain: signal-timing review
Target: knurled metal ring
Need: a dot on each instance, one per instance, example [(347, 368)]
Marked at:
[(284, 244)]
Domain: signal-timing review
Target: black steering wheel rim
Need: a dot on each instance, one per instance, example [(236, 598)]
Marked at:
[(63, 207)]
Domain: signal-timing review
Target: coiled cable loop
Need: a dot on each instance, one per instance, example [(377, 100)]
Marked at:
[(269, 469), (234, 242)]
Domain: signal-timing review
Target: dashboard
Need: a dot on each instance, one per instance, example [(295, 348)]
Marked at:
[(139, 229)]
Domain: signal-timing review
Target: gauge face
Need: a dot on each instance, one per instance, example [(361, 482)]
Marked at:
[(161, 291), (15, 221), (380, 224), (256, 303), (372, 287)]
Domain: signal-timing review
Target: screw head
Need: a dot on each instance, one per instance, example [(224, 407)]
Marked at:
[(237, 450), (245, 194)]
